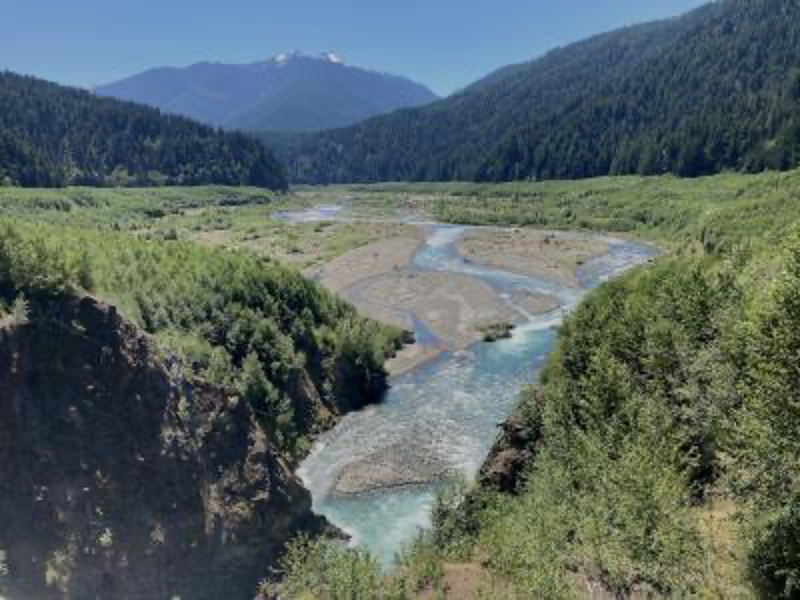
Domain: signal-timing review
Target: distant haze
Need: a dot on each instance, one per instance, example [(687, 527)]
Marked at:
[(289, 92)]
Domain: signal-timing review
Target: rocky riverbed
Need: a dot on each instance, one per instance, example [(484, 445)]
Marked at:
[(394, 466)]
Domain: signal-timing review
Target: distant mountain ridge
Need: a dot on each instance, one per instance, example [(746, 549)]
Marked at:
[(715, 89), (289, 92)]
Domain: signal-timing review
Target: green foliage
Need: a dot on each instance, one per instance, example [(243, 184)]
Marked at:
[(420, 566), (20, 310), (723, 214), (628, 422), (273, 409), (453, 526), (775, 556), (766, 444), (632, 524), (527, 538), (230, 217), (664, 383), (327, 570), (51, 136), (135, 209), (243, 321), (764, 449), (714, 90), (493, 332), (29, 265), (84, 272)]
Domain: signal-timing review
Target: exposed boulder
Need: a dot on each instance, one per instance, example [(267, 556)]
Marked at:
[(512, 454)]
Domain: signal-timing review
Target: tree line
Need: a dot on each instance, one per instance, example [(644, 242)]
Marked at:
[(54, 136)]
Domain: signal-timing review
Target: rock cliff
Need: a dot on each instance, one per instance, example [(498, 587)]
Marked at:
[(121, 479), (513, 453)]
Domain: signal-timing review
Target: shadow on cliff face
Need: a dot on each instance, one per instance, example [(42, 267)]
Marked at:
[(122, 481)]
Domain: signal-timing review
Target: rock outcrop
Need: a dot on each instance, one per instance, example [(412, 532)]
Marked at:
[(121, 479), (512, 454)]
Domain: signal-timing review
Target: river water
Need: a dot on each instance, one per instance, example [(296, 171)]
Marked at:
[(448, 408)]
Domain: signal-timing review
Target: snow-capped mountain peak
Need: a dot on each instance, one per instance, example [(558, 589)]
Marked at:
[(285, 58), (332, 58)]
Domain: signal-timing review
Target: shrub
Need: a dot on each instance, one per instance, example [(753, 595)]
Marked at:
[(327, 570), (775, 556)]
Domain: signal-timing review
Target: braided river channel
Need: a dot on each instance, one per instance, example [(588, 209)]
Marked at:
[(442, 416)]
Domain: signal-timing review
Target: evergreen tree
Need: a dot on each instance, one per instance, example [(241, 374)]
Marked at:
[(52, 136)]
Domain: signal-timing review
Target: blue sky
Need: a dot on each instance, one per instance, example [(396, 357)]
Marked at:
[(445, 44)]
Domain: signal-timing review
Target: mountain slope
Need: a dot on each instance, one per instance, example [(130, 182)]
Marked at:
[(718, 88), (290, 92), (53, 136)]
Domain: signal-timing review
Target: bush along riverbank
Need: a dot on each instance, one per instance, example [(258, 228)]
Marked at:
[(659, 453)]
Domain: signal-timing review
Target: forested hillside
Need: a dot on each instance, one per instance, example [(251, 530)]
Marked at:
[(239, 321), (716, 89), (174, 386), (52, 136)]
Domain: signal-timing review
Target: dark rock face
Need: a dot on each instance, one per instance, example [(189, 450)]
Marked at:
[(512, 453), (120, 480)]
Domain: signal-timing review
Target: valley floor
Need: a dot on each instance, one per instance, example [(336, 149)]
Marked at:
[(732, 236), (381, 280)]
